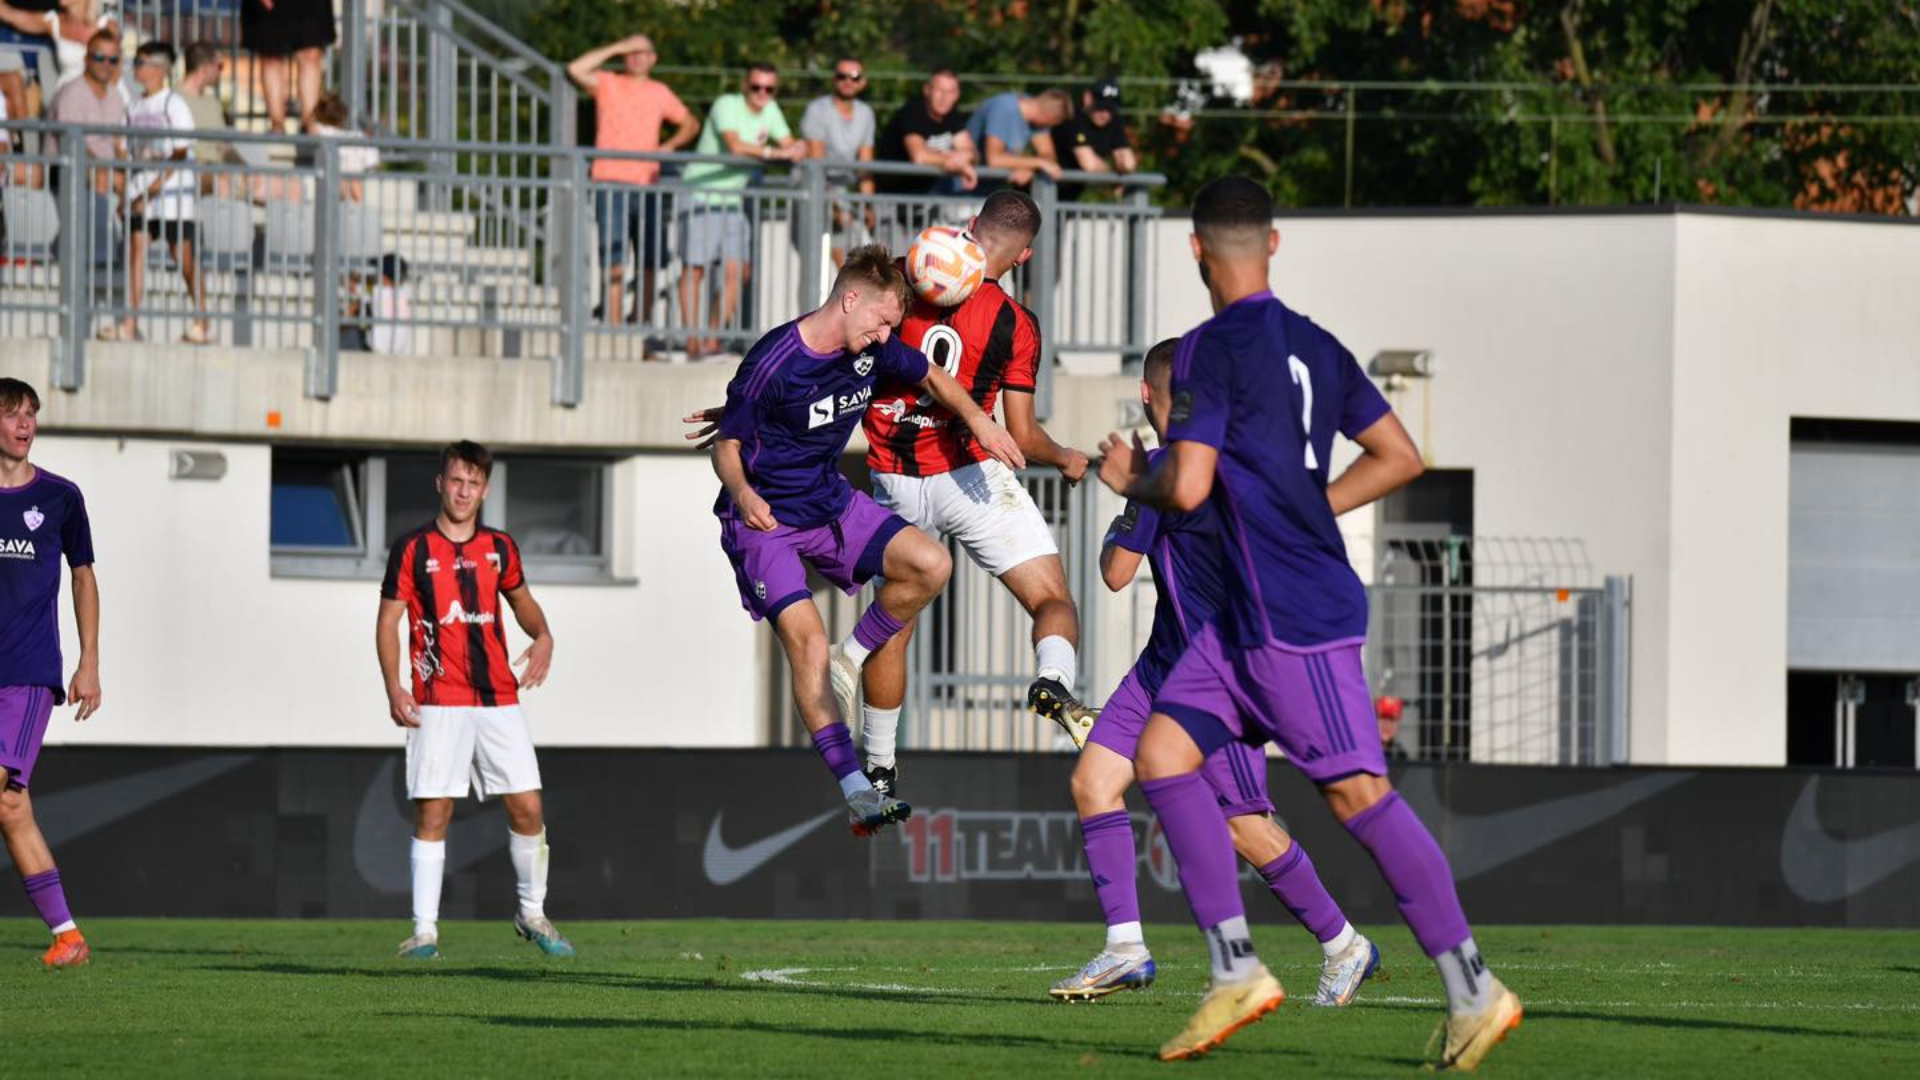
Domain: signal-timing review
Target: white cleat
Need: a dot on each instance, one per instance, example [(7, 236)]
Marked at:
[(1342, 973), (1107, 973), (869, 811), (1471, 1037), (844, 674)]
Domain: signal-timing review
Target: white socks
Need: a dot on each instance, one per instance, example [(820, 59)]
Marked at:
[(64, 927), (1054, 657), (429, 859), (1340, 940), (1126, 937), (855, 651), (1231, 947), (1469, 985), (529, 855), (879, 729)]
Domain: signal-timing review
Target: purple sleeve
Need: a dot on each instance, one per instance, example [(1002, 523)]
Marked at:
[(1135, 529), (76, 534), (1202, 392), (747, 394), (902, 361), (1363, 405)]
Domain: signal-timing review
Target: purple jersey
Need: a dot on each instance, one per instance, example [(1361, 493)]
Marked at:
[(1268, 389), (793, 411), (1189, 576), (39, 523)]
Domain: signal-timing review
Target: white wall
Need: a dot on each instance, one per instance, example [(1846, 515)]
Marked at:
[(200, 644)]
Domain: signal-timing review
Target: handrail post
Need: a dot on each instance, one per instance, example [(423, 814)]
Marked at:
[(354, 57), (570, 206), (1042, 274), (1139, 238), (323, 359), (442, 92), (76, 264), (815, 223)]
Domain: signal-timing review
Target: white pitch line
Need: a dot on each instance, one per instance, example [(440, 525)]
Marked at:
[(788, 977)]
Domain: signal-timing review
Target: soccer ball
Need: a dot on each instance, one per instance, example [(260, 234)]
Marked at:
[(945, 265)]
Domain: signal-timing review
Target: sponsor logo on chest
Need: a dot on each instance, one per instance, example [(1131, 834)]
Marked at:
[(834, 406), (457, 614), (17, 548)]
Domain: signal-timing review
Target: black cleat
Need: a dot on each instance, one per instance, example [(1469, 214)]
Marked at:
[(1046, 697), (885, 780)]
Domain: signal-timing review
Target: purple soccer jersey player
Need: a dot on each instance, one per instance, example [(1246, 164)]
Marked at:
[(1191, 580), (783, 505), (1258, 393), (43, 520)]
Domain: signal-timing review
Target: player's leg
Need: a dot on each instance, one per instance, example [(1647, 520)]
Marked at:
[(883, 679), (1324, 720), (804, 637), (504, 764), (1100, 781), (24, 712), (439, 764), (870, 542), (1040, 584)]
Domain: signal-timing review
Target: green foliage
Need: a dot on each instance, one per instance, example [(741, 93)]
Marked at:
[(1611, 101)]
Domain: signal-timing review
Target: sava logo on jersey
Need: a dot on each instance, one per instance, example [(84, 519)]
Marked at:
[(17, 549), (830, 408)]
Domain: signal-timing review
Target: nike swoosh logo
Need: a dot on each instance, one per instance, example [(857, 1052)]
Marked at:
[(383, 839), (1820, 869), (71, 814), (1481, 842), (725, 865)]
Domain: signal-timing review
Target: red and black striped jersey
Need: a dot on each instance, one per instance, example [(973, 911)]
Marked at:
[(456, 633), (989, 343)]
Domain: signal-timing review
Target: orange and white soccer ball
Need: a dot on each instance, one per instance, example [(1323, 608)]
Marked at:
[(945, 265)]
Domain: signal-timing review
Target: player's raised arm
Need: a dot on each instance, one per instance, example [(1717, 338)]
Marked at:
[(85, 689), (991, 436), (1128, 539), (1388, 460), (1034, 441)]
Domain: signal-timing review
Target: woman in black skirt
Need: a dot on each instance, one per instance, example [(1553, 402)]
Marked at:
[(279, 30)]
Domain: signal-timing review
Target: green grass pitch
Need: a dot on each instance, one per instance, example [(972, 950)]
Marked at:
[(171, 997)]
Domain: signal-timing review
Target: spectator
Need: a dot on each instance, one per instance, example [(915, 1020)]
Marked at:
[(159, 198), (1013, 131), (378, 323), (70, 27), (98, 97), (330, 120), (1097, 138), (929, 131), (630, 109), (277, 31), (714, 229), (205, 64), (840, 127), (17, 52)]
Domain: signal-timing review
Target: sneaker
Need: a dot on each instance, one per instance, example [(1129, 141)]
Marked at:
[(421, 947), (869, 811), (1342, 973), (1225, 1010), (885, 780), (68, 950), (1470, 1037), (1046, 697), (540, 930), (1108, 973), (844, 674)]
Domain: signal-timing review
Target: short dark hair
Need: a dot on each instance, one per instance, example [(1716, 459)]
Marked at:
[(872, 265), (1158, 366), (762, 65), (13, 392), (200, 54), (939, 71), (331, 110), (470, 452), (156, 48), (1008, 213), (1231, 205)]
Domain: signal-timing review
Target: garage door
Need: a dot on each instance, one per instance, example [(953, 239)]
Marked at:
[(1854, 557)]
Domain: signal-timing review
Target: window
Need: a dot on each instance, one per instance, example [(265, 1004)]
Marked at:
[(336, 513)]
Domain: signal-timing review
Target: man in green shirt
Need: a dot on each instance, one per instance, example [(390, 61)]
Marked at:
[(713, 227)]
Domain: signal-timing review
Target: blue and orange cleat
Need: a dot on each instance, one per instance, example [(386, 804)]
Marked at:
[(68, 950), (868, 811)]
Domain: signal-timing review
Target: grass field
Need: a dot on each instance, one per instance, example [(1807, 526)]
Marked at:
[(913, 1000)]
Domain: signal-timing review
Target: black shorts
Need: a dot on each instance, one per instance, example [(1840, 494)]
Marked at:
[(172, 230)]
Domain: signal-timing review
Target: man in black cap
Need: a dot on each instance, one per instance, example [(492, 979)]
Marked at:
[(1096, 137)]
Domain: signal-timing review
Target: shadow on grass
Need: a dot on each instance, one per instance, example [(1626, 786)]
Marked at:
[(1678, 1023)]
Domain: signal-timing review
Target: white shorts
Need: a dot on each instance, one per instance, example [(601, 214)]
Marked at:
[(983, 505), (453, 744)]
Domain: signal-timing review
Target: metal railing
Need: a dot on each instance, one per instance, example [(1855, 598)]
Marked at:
[(507, 251)]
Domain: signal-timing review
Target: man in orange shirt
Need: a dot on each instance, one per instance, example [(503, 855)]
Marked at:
[(632, 107)]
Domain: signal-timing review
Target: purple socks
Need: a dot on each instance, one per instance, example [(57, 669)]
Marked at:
[(1416, 870), (49, 899), (1110, 860), (876, 628), (1295, 884), (836, 749), (1198, 837)]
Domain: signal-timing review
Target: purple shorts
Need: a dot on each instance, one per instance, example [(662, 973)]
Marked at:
[(1313, 703), (771, 567), (1238, 772), (24, 711)]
